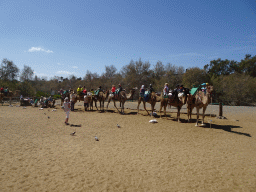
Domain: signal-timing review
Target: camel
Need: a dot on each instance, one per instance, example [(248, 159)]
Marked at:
[(90, 101), (121, 97), (163, 104), (153, 98), (201, 101), (178, 101), (190, 106), (9, 95), (101, 98)]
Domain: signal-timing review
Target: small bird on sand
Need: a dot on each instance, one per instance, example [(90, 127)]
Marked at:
[(118, 126), (96, 138), (73, 133)]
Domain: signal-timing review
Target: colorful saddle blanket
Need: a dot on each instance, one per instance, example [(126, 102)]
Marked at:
[(97, 91), (193, 90)]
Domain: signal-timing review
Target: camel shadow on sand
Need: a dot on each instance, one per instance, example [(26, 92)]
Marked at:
[(227, 128)]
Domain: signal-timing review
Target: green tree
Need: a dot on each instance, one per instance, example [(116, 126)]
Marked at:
[(220, 67), (136, 74), (8, 71), (194, 76), (238, 89), (248, 65), (26, 74)]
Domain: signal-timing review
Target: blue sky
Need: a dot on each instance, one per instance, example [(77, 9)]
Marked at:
[(61, 37)]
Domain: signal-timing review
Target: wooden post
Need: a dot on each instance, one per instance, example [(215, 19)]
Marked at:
[(220, 109)]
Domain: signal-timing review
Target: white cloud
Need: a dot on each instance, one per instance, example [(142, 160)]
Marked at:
[(35, 49), (75, 67), (59, 64), (65, 72)]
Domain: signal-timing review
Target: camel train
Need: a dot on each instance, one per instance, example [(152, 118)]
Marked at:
[(199, 99)]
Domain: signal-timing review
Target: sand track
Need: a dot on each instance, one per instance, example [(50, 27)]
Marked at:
[(39, 154)]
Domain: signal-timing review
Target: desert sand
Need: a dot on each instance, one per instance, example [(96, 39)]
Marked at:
[(38, 153)]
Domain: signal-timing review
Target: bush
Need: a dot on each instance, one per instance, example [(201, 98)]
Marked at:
[(56, 96), (235, 89), (41, 93)]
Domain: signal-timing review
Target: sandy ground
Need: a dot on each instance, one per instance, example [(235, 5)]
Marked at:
[(38, 153)]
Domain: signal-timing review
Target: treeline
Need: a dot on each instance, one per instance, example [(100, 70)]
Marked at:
[(234, 82)]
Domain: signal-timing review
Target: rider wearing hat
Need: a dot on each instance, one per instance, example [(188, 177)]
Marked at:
[(79, 90), (166, 89), (150, 88), (181, 89), (120, 87)]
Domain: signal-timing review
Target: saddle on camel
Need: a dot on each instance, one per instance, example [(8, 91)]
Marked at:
[(177, 98), (147, 96)]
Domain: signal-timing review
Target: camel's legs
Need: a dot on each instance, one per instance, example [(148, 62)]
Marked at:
[(189, 112), (96, 104), (144, 104), (138, 107), (165, 105), (178, 114), (161, 105), (108, 103), (204, 108), (122, 109), (152, 108), (115, 106), (197, 116)]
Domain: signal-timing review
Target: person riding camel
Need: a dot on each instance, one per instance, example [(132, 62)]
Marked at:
[(142, 91), (151, 89), (176, 90), (204, 87), (79, 90), (98, 90), (181, 88), (84, 91), (113, 90), (6, 91), (166, 89), (119, 89), (92, 91)]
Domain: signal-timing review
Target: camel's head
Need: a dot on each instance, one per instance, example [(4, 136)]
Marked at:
[(153, 95), (133, 90), (209, 89)]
